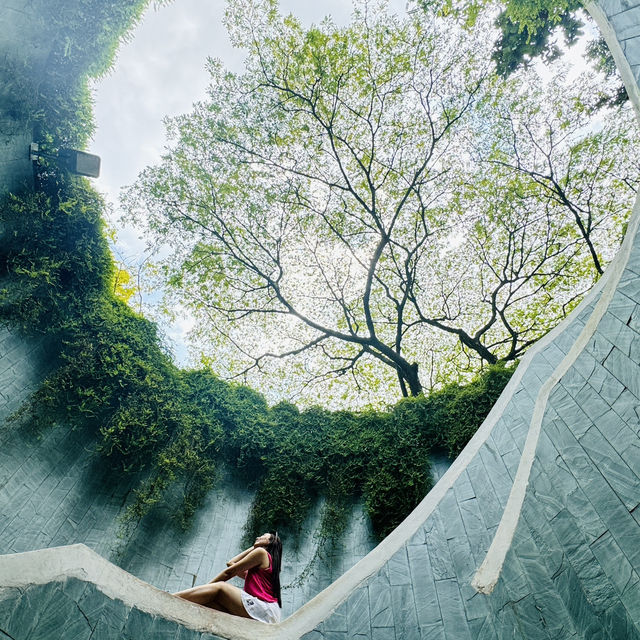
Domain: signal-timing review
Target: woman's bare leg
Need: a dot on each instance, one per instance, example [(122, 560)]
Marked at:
[(204, 595), (231, 599), (219, 596)]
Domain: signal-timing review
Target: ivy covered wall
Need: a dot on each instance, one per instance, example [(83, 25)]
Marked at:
[(108, 443)]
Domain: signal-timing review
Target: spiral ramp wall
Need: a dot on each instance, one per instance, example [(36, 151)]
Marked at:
[(534, 531)]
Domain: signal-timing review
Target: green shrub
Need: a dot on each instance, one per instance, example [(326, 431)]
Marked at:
[(54, 259), (462, 409), (113, 378), (380, 456)]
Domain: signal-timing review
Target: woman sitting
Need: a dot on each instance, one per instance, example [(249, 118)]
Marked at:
[(260, 599)]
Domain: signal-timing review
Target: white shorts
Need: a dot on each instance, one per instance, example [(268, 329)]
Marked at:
[(261, 610)]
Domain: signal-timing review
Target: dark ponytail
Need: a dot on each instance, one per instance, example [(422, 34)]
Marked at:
[(275, 550)]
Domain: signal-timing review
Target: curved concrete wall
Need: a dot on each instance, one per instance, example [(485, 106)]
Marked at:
[(18, 48), (566, 563), (54, 490)]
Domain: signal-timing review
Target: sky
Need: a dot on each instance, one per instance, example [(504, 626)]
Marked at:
[(161, 72)]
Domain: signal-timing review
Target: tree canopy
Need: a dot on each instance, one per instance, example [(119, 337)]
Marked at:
[(363, 198), (531, 30)]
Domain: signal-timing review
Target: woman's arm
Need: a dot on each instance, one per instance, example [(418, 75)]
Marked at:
[(240, 556), (255, 558), (236, 559)]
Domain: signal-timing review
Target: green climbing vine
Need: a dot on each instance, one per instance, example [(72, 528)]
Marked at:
[(171, 427), (112, 376)]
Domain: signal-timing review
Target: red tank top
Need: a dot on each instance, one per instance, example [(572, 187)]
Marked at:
[(258, 583)]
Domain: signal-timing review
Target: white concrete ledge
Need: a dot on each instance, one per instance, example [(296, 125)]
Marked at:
[(488, 574), (79, 561)]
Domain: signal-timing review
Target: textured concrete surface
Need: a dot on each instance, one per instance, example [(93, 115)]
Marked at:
[(55, 491), (22, 364), (75, 610), (72, 593), (572, 569), (20, 50)]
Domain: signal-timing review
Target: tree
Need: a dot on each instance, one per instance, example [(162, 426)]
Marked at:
[(319, 199), (340, 135), (583, 175), (542, 209), (530, 30)]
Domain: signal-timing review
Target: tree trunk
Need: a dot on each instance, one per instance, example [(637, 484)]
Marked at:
[(403, 386), (478, 347), (408, 377)]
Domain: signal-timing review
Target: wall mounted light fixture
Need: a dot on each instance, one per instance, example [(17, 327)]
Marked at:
[(79, 162)]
